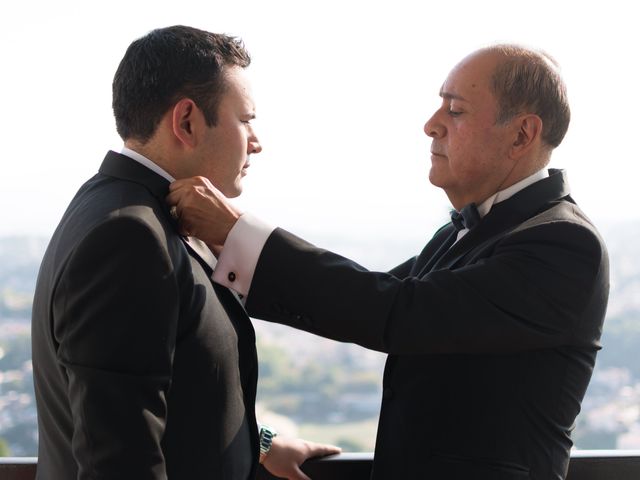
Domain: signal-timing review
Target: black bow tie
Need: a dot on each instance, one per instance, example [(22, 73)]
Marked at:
[(467, 218)]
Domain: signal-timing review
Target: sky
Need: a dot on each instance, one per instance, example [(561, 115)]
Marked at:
[(343, 89)]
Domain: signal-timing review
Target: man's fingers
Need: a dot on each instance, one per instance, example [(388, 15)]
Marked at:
[(187, 192), (316, 450), (191, 182), (322, 450), (173, 197), (201, 210), (180, 184)]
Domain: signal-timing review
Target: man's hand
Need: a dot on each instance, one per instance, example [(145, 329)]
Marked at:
[(202, 211), (287, 454)]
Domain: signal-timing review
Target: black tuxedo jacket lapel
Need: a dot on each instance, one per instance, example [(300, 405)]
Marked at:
[(506, 216), (434, 250)]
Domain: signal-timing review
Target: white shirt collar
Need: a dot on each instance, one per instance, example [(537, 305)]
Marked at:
[(150, 164), (502, 195)]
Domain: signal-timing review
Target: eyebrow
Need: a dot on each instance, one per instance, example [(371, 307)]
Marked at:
[(452, 96)]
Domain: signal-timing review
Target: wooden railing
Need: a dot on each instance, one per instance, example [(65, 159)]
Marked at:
[(585, 465)]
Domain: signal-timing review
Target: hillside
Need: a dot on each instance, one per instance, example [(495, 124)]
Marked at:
[(331, 390)]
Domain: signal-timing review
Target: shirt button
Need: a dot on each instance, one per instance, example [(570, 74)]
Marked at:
[(387, 393), (231, 276)]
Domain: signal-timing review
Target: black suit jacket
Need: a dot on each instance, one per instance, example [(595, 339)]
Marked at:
[(491, 341), (143, 368)]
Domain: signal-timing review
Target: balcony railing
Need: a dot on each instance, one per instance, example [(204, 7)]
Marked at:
[(585, 465)]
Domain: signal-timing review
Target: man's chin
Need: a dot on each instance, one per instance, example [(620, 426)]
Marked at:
[(433, 178), (233, 192), (229, 189)]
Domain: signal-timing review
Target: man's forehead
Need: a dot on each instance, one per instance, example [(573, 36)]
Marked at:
[(238, 84), (469, 77)]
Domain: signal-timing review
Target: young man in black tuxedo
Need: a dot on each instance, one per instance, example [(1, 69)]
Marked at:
[(143, 367), (492, 330)]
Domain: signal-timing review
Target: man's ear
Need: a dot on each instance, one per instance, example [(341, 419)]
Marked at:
[(528, 133), (184, 120)]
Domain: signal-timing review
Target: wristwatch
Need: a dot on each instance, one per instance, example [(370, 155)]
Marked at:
[(267, 434)]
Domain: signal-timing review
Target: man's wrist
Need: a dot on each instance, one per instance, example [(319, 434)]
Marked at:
[(267, 434), (239, 257)]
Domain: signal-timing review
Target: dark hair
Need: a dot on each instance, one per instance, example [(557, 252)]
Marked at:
[(529, 82), (167, 65)]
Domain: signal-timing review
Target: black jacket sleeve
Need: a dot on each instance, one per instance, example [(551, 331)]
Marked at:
[(537, 287)]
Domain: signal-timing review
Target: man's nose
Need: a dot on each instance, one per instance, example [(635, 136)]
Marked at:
[(254, 146), (433, 128)]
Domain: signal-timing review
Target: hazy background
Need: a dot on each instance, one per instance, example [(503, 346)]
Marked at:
[(343, 89)]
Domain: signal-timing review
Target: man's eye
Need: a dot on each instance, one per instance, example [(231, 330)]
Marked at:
[(454, 113)]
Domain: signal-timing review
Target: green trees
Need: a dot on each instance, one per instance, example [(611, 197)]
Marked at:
[(4, 448)]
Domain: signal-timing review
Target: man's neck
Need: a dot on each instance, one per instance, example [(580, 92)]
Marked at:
[(523, 169), (152, 152), (503, 192), (147, 162)]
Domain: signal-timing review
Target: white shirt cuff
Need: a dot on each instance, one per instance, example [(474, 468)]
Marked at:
[(240, 253)]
